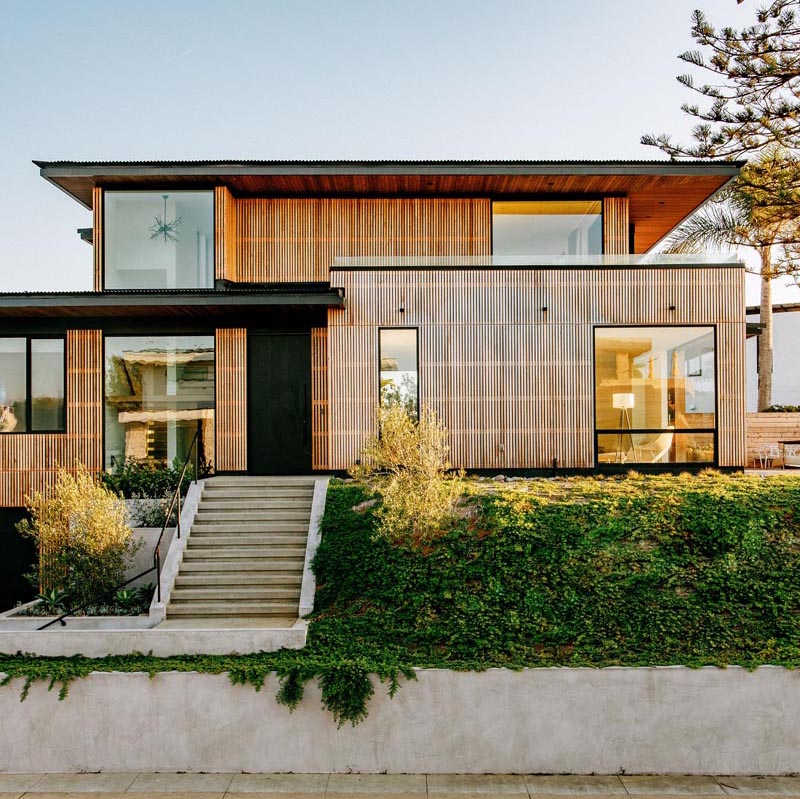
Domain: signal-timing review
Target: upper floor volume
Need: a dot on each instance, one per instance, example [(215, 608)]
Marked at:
[(175, 225)]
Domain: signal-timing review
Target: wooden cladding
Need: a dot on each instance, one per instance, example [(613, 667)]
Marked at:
[(224, 234), (292, 240), (28, 461), (616, 226), (97, 237), (319, 398), (231, 399), (506, 357)]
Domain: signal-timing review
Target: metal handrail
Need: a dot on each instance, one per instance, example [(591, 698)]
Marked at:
[(176, 497)]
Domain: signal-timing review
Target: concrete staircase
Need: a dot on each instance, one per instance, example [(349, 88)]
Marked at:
[(244, 557)]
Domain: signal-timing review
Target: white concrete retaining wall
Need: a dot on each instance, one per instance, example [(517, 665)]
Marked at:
[(647, 720)]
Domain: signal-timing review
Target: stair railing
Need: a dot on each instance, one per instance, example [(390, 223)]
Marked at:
[(176, 500)]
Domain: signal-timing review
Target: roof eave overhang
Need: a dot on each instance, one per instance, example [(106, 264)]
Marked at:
[(147, 304)]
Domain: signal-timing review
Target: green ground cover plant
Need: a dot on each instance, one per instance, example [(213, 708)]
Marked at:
[(634, 571)]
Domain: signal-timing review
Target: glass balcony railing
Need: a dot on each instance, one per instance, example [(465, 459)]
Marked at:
[(537, 261)]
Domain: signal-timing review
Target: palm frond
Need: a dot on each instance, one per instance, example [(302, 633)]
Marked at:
[(713, 228)]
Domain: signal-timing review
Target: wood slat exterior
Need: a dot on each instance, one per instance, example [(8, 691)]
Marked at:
[(28, 461), (224, 234), (319, 398), (770, 428), (231, 400), (97, 241), (289, 240), (616, 226), (515, 383)]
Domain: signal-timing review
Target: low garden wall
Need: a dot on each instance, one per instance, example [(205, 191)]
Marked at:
[(770, 428), (563, 720)]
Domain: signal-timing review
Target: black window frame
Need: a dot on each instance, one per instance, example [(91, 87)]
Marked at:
[(28, 376), (551, 198), (416, 333), (658, 431), (149, 190)]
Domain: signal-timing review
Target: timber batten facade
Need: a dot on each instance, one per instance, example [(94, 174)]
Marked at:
[(297, 268)]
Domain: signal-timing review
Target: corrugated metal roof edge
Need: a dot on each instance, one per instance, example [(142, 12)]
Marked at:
[(388, 162), (267, 288)]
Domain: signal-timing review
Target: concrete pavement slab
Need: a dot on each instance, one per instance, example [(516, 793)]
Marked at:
[(566, 784), (465, 785), (279, 783), (12, 783), (102, 782), (760, 786), (190, 783), (685, 785), (390, 784)]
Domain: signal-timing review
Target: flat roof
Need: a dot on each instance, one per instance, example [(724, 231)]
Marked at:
[(165, 302), (661, 193)]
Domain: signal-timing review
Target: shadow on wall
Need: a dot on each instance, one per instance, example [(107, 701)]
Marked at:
[(17, 556)]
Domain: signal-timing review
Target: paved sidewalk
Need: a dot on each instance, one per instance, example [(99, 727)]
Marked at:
[(386, 786)]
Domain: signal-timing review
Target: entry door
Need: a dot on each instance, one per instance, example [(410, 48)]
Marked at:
[(279, 404)]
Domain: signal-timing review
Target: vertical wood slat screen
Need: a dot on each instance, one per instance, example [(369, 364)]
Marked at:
[(28, 461), (97, 237), (319, 398), (224, 234), (514, 383), (616, 228), (231, 400), (288, 240)]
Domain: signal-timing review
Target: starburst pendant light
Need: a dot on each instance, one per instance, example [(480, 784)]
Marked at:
[(163, 227)]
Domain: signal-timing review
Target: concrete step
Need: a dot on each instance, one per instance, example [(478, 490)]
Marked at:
[(287, 593), (250, 527), (253, 515), (260, 482), (283, 564), (256, 579), (241, 609), (212, 540), (242, 553), (268, 503)]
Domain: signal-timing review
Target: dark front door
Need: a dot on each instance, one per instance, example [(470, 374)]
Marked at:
[(279, 404)]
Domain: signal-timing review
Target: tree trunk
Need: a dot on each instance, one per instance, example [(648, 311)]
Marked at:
[(765, 338)]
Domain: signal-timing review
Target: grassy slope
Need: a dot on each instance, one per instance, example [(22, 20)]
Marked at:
[(636, 571)]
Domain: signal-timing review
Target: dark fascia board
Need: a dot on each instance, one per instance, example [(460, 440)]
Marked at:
[(90, 299), (785, 307), (60, 169)]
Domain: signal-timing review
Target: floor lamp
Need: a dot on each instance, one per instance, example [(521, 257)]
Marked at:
[(623, 402)]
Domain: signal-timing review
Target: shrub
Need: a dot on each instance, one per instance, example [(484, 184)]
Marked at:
[(408, 460), (139, 479), (782, 409), (84, 541)]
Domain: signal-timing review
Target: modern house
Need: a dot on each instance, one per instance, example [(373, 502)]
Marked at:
[(276, 304)]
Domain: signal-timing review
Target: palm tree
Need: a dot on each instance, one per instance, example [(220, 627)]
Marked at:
[(759, 210)]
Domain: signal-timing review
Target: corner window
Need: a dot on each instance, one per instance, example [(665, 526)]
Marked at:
[(32, 385), (655, 395), (158, 240), (547, 227), (399, 384), (159, 391)]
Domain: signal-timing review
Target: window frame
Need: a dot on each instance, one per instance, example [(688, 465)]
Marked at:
[(132, 333), (415, 328), (667, 466), (150, 190), (28, 431), (526, 198)]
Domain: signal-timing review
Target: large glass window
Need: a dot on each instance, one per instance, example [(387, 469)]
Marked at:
[(547, 227), (159, 390), (398, 368), (655, 394), (31, 385), (158, 240)]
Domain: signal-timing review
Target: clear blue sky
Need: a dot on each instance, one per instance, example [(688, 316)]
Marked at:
[(185, 79)]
